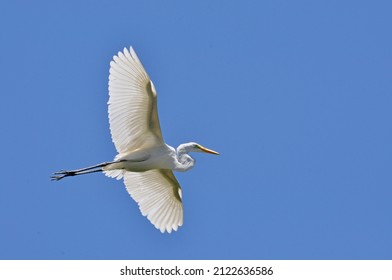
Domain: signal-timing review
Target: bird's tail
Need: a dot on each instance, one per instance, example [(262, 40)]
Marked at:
[(117, 173)]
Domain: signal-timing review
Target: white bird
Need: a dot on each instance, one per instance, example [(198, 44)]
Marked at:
[(144, 160)]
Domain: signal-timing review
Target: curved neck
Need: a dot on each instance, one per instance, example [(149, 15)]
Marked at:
[(185, 161)]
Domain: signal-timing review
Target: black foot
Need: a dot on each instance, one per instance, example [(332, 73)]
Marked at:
[(61, 174)]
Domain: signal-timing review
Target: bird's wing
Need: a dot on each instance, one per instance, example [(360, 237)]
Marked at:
[(158, 195), (133, 114)]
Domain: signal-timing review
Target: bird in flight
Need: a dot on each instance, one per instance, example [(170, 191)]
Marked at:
[(144, 160)]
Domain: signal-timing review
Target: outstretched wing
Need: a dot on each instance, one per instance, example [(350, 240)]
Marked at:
[(158, 195), (133, 114)]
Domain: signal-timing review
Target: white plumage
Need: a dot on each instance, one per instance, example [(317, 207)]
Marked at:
[(144, 161)]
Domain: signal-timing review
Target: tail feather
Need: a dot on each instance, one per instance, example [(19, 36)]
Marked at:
[(116, 173)]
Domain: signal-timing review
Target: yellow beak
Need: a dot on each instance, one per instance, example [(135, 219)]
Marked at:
[(208, 150)]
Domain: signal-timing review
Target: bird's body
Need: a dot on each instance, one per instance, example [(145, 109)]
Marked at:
[(157, 157), (144, 160)]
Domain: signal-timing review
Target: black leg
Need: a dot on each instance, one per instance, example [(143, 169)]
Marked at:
[(66, 173), (62, 174), (84, 169)]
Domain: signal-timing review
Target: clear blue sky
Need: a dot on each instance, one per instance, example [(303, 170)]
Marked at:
[(295, 95)]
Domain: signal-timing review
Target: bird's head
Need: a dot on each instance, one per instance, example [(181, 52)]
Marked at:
[(195, 147)]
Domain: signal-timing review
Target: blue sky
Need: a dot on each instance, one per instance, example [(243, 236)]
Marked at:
[(295, 95)]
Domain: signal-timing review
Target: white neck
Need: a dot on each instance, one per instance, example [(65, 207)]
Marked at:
[(185, 161)]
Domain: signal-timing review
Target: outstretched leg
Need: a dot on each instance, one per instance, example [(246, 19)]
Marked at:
[(91, 169)]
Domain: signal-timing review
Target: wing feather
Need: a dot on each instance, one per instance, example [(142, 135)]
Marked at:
[(134, 124), (133, 114), (157, 194)]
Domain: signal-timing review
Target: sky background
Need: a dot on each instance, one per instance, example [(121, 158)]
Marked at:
[(295, 95)]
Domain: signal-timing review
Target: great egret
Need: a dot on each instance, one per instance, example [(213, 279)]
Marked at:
[(144, 160)]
